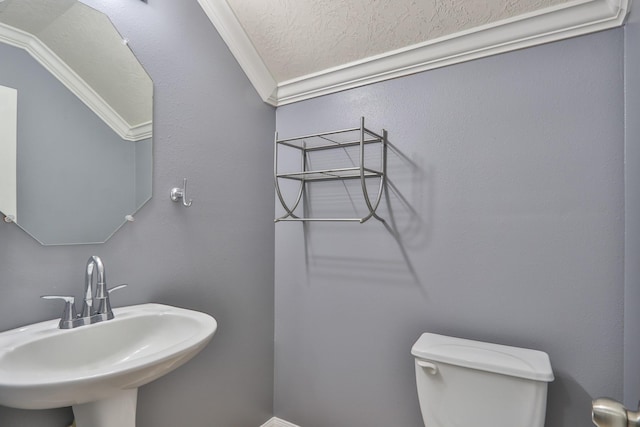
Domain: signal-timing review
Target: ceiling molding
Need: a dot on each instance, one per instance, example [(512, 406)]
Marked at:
[(543, 26), (234, 35), (72, 81)]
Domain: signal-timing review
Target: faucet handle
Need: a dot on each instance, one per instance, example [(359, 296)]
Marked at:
[(103, 309), (69, 314), (115, 288)]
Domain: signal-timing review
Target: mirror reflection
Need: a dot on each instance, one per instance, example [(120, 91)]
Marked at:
[(81, 149)]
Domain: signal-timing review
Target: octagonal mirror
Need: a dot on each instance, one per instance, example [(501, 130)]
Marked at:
[(76, 126)]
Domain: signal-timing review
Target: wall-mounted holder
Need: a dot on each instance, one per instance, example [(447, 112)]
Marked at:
[(359, 138), (180, 194), (9, 219)]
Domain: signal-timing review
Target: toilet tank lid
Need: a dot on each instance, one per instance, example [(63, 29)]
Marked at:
[(501, 359)]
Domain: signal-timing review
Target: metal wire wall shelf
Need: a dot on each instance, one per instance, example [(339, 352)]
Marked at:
[(355, 138)]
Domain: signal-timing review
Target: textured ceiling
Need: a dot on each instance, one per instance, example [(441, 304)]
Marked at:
[(295, 38)]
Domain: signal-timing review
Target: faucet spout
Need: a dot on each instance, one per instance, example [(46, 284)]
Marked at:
[(96, 304), (93, 264)]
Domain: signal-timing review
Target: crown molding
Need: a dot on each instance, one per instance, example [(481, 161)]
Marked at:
[(233, 34), (543, 26), (69, 78)]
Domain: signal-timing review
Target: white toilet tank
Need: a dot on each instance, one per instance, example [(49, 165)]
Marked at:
[(464, 383)]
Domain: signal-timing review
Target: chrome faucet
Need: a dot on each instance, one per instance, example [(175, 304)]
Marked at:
[(99, 308), (96, 306), (94, 263)]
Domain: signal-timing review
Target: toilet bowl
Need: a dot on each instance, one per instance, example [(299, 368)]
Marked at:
[(464, 383)]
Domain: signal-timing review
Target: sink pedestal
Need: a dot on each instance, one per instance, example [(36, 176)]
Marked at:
[(115, 411)]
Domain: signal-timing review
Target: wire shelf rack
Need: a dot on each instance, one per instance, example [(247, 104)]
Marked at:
[(353, 138)]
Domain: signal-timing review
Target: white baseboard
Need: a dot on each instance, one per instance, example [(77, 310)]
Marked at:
[(277, 422)]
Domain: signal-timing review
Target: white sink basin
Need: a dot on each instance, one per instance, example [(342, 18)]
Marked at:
[(44, 367)]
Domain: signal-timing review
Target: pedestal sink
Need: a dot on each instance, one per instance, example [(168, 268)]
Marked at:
[(98, 368)]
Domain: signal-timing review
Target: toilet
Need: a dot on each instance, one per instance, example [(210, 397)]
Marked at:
[(464, 383)]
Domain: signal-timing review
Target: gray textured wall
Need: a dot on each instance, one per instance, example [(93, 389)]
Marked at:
[(216, 256), (632, 212), (506, 215)]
